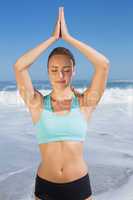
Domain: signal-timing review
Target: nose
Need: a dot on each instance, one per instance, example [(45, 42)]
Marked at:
[(61, 74)]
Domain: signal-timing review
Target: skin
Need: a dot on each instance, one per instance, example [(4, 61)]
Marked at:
[(65, 156)]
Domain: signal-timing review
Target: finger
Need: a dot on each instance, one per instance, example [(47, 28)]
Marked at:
[(62, 14), (63, 10), (59, 16), (60, 9)]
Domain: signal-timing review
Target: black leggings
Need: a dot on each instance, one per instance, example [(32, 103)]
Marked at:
[(78, 189)]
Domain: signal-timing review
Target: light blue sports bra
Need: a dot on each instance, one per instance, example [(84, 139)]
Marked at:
[(54, 127)]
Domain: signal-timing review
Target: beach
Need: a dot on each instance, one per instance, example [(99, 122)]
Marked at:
[(108, 148)]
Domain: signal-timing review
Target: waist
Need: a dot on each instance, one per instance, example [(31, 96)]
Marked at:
[(65, 172)]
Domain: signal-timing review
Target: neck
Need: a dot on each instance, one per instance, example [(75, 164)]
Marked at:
[(60, 95)]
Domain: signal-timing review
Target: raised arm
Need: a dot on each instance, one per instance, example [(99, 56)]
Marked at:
[(94, 91), (24, 83)]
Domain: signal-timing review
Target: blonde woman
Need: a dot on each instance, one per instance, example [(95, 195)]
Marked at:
[(61, 116)]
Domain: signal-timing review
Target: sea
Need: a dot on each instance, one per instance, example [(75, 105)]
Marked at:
[(108, 148)]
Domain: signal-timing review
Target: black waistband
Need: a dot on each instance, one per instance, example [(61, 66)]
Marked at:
[(65, 183)]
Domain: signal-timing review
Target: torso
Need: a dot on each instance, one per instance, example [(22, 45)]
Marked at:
[(62, 161)]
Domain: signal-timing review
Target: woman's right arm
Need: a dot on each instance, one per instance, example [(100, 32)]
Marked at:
[(26, 90), (24, 83)]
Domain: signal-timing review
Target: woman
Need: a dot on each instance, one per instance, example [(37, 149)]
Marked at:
[(61, 116)]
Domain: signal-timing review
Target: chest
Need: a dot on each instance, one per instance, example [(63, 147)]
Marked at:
[(64, 107)]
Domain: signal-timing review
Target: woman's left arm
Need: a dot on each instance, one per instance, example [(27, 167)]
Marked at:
[(94, 91)]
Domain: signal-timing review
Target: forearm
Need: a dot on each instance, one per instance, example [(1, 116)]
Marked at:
[(28, 58), (96, 58)]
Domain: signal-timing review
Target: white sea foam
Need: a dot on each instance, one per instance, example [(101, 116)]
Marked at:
[(111, 95), (108, 147)]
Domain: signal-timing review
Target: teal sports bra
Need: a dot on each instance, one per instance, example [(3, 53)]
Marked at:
[(54, 127)]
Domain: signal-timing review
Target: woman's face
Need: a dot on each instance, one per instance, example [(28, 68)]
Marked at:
[(60, 71)]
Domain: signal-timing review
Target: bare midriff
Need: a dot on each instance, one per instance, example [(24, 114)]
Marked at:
[(62, 161)]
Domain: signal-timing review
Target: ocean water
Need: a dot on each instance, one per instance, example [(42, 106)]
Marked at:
[(108, 149)]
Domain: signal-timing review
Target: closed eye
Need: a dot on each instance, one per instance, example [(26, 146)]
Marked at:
[(54, 70), (57, 70), (67, 71)]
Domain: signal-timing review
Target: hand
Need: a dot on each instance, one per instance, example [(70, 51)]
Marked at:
[(64, 31), (57, 30)]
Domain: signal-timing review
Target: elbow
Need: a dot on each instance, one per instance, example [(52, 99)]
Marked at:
[(106, 64), (17, 66), (103, 66)]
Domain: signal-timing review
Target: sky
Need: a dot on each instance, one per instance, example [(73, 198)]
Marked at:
[(104, 25)]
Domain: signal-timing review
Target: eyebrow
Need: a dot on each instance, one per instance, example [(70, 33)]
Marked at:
[(67, 66)]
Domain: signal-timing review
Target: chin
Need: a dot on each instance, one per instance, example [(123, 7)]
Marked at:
[(63, 86)]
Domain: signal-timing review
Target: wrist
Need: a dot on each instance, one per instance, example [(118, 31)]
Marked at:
[(53, 38), (68, 38)]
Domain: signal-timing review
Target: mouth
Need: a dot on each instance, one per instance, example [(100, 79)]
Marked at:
[(61, 81)]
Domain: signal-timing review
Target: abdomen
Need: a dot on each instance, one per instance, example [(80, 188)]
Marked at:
[(62, 161)]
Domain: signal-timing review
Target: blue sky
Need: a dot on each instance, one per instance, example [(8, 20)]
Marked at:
[(104, 25)]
